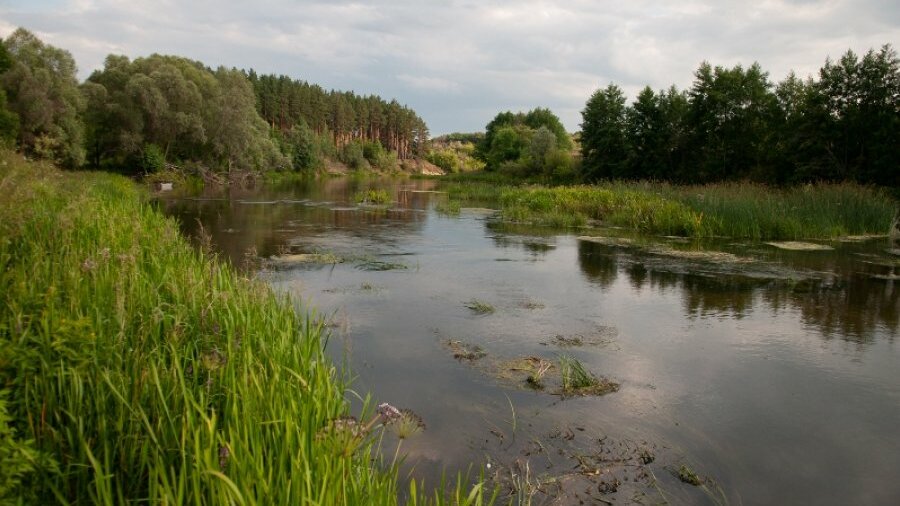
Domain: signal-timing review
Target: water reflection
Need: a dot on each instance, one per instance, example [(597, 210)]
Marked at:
[(268, 222), (846, 300)]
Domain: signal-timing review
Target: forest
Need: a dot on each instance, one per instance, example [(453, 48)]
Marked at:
[(735, 124), (731, 124), (138, 115)]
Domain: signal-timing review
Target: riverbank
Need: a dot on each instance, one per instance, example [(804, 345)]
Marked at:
[(135, 367), (740, 210)]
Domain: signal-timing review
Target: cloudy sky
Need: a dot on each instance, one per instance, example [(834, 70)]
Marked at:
[(459, 62)]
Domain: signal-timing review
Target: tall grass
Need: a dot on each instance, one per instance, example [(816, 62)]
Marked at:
[(743, 210), (809, 211), (134, 368)]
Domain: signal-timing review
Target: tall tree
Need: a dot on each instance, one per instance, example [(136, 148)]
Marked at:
[(603, 141), (731, 116), (42, 91), (9, 121), (863, 101)]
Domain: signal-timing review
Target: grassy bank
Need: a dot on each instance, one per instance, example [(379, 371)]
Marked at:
[(742, 210), (135, 368)]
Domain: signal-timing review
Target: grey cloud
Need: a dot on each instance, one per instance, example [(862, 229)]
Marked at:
[(459, 62)]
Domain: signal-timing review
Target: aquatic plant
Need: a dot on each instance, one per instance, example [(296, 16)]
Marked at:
[(450, 207), (687, 475), (373, 196), (479, 307), (535, 379), (576, 380), (465, 351), (726, 209)]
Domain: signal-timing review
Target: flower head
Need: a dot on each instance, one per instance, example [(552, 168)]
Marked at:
[(388, 413)]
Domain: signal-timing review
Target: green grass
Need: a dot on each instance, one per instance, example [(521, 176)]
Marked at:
[(576, 380), (134, 368), (743, 210)]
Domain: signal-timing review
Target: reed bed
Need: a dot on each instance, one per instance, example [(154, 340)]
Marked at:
[(740, 210), (135, 368)]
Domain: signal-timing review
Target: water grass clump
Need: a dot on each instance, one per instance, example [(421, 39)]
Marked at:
[(687, 475), (373, 196), (479, 307), (465, 351), (136, 368), (450, 207), (379, 265), (576, 380)]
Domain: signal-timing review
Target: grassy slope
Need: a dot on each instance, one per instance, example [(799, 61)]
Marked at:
[(134, 367)]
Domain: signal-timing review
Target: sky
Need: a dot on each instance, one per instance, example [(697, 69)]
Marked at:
[(458, 63)]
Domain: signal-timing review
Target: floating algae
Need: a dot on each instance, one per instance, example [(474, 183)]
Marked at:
[(800, 246), (305, 258)]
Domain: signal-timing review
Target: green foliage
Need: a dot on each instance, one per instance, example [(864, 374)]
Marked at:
[(180, 105), (455, 153), (344, 116), (42, 92), (544, 118), (733, 124), (18, 459), (508, 143), (603, 141), (9, 122), (574, 375), (153, 159), (446, 159), (353, 156), (303, 146)]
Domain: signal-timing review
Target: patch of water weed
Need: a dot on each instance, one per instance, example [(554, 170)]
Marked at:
[(465, 351), (622, 242), (479, 307), (373, 196), (603, 336), (449, 208), (289, 260), (518, 369), (531, 304), (799, 246), (379, 265), (576, 380), (720, 257), (687, 475), (578, 470)]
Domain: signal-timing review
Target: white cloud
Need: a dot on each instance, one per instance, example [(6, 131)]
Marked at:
[(458, 62)]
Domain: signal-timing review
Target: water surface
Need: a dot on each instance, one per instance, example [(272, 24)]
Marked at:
[(776, 378)]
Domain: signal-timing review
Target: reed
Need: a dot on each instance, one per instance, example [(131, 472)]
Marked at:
[(134, 367), (742, 210)]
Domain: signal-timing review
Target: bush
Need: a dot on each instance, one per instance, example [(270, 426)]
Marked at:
[(152, 159)]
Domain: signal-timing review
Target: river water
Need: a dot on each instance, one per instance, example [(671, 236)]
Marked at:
[(773, 375)]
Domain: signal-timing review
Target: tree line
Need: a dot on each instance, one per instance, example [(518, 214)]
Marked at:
[(734, 123), (145, 112), (285, 103)]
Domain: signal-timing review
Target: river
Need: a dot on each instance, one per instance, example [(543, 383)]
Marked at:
[(771, 374)]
